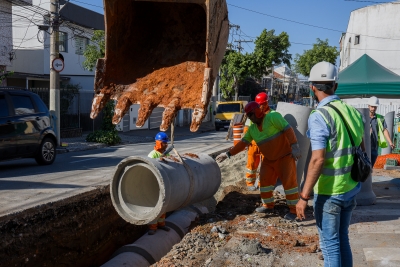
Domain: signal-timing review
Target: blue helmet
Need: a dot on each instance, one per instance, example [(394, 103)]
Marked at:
[(162, 137)]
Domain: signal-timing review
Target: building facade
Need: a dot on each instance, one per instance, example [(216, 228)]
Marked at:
[(31, 45), (6, 34), (375, 31)]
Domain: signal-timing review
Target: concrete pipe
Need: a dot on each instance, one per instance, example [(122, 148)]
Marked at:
[(297, 117), (389, 119), (149, 249), (142, 189), (366, 196)]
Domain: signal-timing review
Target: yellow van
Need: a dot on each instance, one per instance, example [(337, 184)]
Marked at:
[(225, 112)]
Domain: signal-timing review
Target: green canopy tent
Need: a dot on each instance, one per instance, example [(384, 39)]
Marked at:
[(366, 77)]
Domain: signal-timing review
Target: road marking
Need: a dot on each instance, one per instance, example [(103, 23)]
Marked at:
[(384, 255)]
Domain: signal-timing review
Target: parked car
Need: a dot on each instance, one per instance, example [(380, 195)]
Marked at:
[(26, 127)]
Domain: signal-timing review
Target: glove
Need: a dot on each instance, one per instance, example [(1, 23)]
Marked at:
[(296, 152), (221, 157)]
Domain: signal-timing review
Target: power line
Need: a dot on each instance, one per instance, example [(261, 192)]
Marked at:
[(310, 25)]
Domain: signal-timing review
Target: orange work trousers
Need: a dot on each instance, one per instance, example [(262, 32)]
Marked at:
[(158, 222), (285, 169), (253, 161)]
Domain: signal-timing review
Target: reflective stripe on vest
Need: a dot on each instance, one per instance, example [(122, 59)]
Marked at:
[(335, 177)]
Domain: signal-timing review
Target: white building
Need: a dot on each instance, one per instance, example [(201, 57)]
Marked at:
[(375, 31), (31, 61), (6, 33)]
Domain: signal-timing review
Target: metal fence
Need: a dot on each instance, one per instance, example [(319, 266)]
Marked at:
[(75, 108)]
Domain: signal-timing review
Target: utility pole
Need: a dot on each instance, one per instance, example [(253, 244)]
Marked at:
[(54, 75), (240, 48)]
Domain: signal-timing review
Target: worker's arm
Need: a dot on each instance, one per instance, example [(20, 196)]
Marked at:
[(313, 173), (290, 135), (246, 140), (239, 147), (387, 136), (282, 125)]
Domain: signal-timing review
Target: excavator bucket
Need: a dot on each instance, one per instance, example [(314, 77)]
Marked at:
[(161, 53)]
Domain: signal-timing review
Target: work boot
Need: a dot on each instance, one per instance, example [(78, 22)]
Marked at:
[(151, 232), (251, 188), (290, 217), (165, 228), (263, 209)]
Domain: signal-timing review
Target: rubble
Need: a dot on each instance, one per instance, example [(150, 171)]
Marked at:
[(234, 235)]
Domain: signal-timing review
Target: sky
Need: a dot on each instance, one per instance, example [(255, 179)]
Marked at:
[(303, 20)]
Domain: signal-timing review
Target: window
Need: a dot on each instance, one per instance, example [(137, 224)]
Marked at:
[(22, 104), (357, 40), (222, 108), (63, 41), (3, 107), (80, 44)]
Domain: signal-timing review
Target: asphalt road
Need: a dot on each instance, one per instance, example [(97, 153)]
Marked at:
[(24, 184)]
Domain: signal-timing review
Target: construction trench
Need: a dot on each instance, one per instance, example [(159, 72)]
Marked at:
[(88, 230)]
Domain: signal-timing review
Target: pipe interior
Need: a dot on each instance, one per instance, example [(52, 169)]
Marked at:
[(140, 189)]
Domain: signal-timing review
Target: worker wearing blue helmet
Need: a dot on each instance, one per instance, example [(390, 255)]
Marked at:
[(159, 148)]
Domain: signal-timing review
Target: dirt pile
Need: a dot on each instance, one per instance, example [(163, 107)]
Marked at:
[(234, 235)]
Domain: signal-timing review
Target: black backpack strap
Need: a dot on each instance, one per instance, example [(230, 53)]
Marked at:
[(344, 121)]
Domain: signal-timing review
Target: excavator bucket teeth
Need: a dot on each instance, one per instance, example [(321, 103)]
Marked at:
[(163, 53)]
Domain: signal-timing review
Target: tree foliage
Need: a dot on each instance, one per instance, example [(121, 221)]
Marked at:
[(4, 75), (95, 50), (234, 71), (270, 49), (321, 51)]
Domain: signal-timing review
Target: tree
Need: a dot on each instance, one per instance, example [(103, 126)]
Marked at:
[(270, 49), (94, 51), (234, 71), (321, 51), (4, 75)]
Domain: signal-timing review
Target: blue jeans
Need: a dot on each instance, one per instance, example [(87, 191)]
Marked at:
[(374, 156), (333, 216)]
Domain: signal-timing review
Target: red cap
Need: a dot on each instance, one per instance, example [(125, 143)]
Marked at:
[(251, 106)]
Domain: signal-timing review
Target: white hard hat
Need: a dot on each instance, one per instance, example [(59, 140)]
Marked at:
[(323, 72), (373, 101)]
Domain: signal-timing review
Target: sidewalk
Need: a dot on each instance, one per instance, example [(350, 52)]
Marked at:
[(131, 137), (375, 230)]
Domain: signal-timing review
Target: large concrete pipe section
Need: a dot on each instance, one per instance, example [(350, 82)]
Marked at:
[(142, 189), (389, 119), (149, 249), (297, 117), (366, 196)]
